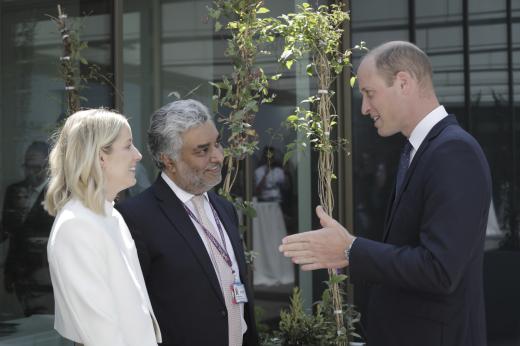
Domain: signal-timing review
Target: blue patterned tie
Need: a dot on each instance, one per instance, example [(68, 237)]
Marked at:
[(404, 162)]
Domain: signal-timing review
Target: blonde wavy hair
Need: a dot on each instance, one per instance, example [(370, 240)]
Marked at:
[(75, 168)]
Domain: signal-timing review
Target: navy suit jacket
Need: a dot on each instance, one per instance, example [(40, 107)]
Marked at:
[(180, 278), (425, 277)]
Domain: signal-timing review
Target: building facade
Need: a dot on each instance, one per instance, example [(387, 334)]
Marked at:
[(153, 52)]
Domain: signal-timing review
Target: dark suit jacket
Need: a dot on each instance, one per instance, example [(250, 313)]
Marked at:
[(26, 264), (182, 284), (426, 275), (14, 217)]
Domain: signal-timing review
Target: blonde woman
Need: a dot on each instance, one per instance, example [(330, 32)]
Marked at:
[(99, 290)]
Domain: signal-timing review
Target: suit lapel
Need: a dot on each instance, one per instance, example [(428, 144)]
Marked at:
[(389, 209), (173, 208), (434, 132)]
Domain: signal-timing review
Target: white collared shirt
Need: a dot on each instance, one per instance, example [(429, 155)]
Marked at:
[(34, 193), (422, 129), (185, 197)]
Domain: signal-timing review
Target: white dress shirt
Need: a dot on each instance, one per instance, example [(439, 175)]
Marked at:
[(99, 290), (422, 129), (33, 195), (185, 197)]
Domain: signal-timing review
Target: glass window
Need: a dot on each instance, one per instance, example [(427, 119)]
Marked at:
[(275, 186), (374, 158), (493, 123), (141, 71), (516, 106), (433, 13), (375, 21), (490, 120), (32, 99), (439, 34), (487, 10)]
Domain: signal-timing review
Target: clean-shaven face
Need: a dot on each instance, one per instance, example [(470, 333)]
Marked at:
[(119, 166), (35, 168), (381, 102)]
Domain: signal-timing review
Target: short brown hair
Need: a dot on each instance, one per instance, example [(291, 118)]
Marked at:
[(393, 57)]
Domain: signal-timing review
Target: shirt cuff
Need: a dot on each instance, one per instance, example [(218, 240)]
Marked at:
[(347, 250)]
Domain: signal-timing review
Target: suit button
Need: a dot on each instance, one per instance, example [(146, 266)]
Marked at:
[(223, 313)]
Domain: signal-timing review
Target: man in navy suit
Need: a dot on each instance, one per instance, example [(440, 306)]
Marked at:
[(187, 237), (425, 276)]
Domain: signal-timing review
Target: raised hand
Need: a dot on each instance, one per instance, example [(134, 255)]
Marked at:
[(323, 248)]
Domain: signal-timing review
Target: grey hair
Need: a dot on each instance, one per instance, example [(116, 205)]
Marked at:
[(167, 125), (393, 57)]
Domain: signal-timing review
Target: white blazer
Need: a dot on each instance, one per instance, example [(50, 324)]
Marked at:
[(99, 291)]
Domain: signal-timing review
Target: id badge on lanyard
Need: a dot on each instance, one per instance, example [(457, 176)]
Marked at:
[(239, 292)]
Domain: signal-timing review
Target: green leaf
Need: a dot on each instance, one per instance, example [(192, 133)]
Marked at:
[(352, 81), (214, 103), (309, 69), (249, 211), (218, 26), (289, 64), (292, 118), (336, 279), (286, 54), (287, 156), (232, 25), (263, 10), (176, 94), (276, 76), (215, 13), (216, 85)]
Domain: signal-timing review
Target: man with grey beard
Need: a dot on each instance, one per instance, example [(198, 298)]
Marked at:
[(187, 236)]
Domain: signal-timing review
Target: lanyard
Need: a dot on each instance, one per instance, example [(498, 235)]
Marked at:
[(222, 250)]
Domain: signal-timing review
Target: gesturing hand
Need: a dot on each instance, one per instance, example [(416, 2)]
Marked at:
[(323, 248)]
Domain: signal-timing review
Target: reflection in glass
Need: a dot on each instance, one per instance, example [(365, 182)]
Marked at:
[(490, 114), (493, 124), (374, 158), (32, 103)]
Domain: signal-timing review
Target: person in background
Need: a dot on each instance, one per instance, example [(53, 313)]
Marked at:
[(187, 236), (425, 275), (99, 290), (27, 226), (270, 180), (21, 197)]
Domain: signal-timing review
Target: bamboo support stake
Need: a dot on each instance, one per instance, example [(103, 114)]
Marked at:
[(67, 70)]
